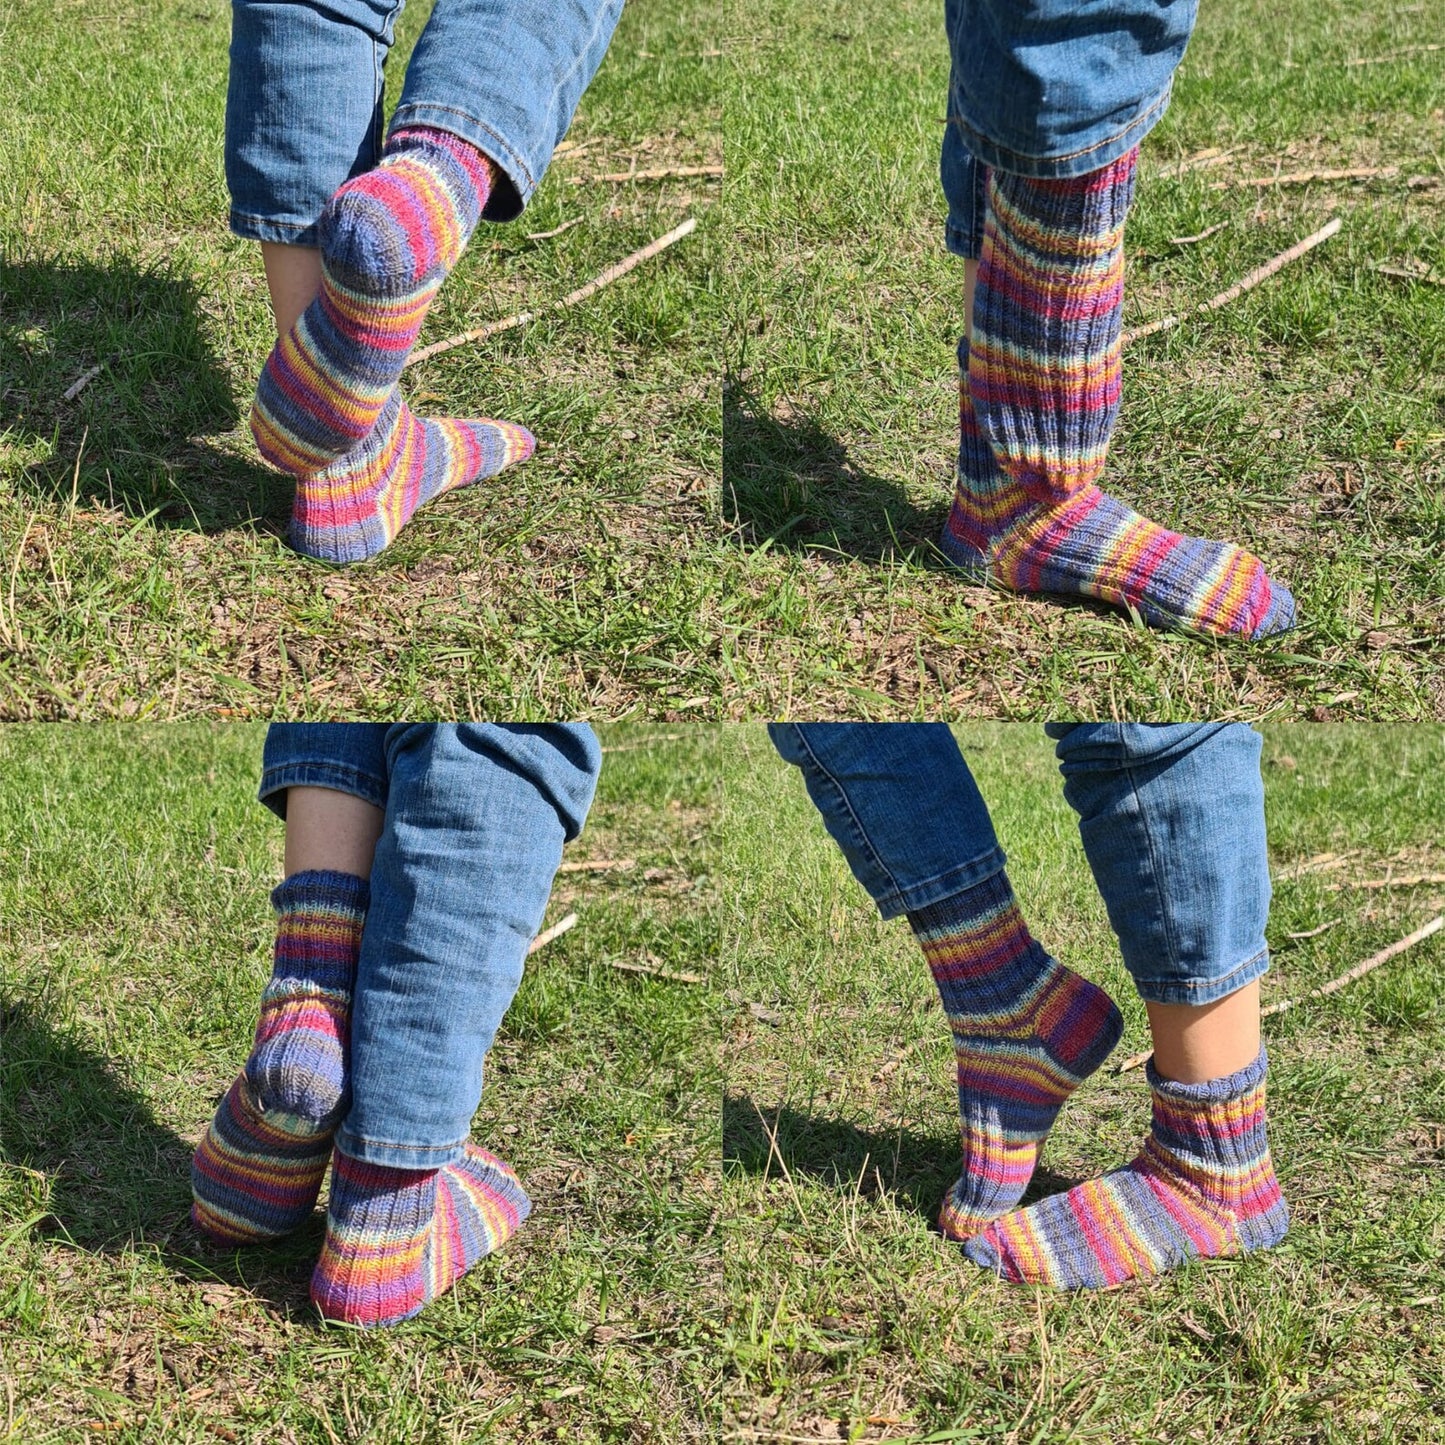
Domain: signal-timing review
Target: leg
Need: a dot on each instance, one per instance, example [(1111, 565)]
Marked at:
[(902, 805), (293, 277), (257, 1173), (475, 821), (1172, 821), (1037, 197), (490, 90)]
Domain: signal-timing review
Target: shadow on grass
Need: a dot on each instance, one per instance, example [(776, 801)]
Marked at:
[(119, 1181), (788, 483), (142, 433), (915, 1168)]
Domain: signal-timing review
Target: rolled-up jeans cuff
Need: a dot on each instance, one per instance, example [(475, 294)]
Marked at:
[(1075, 163), (957, 880), (262, 228), (1201, 991), (318, 773), (506, 202), (398, 1156)]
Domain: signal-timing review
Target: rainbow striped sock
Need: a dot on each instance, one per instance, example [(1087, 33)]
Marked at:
[(1037, 405), (1203, 1186), (398, 1238), (327, 408), (298, 1060), (257, 1173), (1026, 1032), (350, 510)]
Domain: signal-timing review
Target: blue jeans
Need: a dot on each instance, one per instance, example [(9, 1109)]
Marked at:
[(1050, 88), (304, 104), (1171, 818), (475, 818)]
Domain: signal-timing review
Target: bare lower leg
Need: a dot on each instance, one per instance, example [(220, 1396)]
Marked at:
[(970, 281), (1196, 1043), (293, 274), (328, 830)]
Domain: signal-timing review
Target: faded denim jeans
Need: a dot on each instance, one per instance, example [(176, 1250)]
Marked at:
[(1050, 88), (304, 107), (1171, 817), (475, 818)]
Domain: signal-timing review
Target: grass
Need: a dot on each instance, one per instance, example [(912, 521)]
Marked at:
[(1303, 420), (143, 572), (134, 939), (850, 1319)]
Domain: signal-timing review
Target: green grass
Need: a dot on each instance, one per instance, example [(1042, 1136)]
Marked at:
[(1305, 420), (134, 940), (849, 1318), (142, 570)]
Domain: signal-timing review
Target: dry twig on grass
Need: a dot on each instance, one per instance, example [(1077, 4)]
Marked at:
[(1315, 932), (1248, 283), (671, 975), (1190, 240), (555, 231), (1303, 178), (1410, 880), (80, 383), (556, 931), (1395, 55), (1404, 273), (638, 747), (597, 865), (663, 173), (1358, 971), (613, 273)]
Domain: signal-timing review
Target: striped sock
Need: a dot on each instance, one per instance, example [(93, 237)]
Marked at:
[(350, 510), (1202, 1186), (398, 1238), (298, 1060), (257, 1173), (1026, 1032), (327, 409), (1037, 405)]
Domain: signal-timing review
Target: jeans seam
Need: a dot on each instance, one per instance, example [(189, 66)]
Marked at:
[(1167, 985), (1144, 119), (271, 779), (873, 853)]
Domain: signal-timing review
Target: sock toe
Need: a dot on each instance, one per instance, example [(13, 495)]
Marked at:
[(982, 1251), (1279, 613)]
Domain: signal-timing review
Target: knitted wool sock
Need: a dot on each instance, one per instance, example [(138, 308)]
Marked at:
[(1026, 1032), (298, 1060), (1203, 1185), (350, 510), (397, 1238), (1037, 408), (326, 407), (258, 1171)]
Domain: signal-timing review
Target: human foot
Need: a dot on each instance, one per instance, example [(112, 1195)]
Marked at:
[(1203, 1186), (1026, 1032), (1092, 545), (258, 1171), (350, 510), (1039, 396), (388, 240), (398, 1238)]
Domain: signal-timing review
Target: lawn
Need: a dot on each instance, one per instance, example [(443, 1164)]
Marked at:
[(144, 571), (134, 941), (1305, 420), (850, 1319)]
